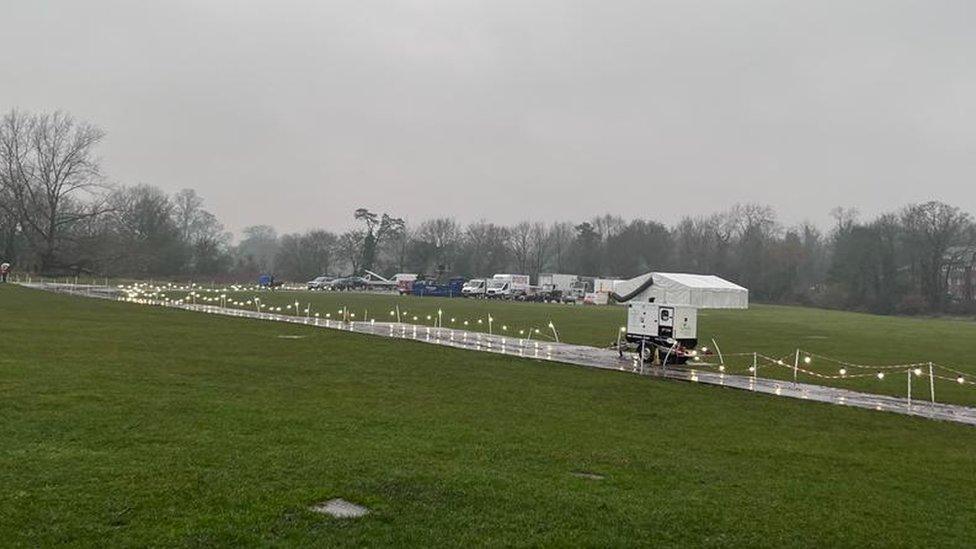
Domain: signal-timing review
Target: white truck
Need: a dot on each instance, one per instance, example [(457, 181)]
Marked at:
[(404, 282), (508, 286), (551, 282), (562, 287)]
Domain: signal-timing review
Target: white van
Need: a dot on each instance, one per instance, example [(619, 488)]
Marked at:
[(474, 288), (508, 286)]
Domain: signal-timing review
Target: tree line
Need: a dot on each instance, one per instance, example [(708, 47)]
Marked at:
[(59, 216)]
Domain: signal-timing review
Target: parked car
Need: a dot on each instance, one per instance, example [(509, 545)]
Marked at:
[(349, 283), (318, 283)]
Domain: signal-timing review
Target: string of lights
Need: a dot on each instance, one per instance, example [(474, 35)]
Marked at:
[(799, 362)]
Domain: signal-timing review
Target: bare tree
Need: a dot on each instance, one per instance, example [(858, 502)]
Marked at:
[(695, 239), (931, 230), (305, 256), (608, 225), (48, 174), (143, 233), (260, 245), (539, 247), (561, 236), (437, 243), (9, 230), (520, 243), (399, 248), (486, 248), (845, 218), (348, 248)]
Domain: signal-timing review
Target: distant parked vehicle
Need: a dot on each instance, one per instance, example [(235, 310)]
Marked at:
[(268, 282), (431, 288), (508, 286), (404, 282), (318, 283), (349, 283), (475, 287), (566, 288)]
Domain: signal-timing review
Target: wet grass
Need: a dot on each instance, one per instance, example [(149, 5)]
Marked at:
[(127, 425), (774, 331)]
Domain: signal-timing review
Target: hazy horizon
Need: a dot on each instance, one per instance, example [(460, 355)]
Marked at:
[(294, 114)]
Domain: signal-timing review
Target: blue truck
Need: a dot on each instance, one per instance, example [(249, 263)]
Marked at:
[(268, 282), (432, 288)]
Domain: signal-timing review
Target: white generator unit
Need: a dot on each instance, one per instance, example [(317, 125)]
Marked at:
[(662, 310), (663, 321)]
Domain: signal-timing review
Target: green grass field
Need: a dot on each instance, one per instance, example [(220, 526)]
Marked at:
[(128, 425), (775, 331)]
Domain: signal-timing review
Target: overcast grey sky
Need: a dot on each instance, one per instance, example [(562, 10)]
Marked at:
[(295, 113)]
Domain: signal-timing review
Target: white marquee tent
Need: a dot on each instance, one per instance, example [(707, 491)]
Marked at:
[(682, 289)]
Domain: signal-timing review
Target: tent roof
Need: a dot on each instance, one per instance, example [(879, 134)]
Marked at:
[(704, 291)]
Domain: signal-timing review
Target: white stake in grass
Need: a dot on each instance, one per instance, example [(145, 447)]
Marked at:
[(796, 367), (909, 389)]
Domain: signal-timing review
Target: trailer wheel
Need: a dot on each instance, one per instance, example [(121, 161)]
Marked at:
[(647, 353)]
